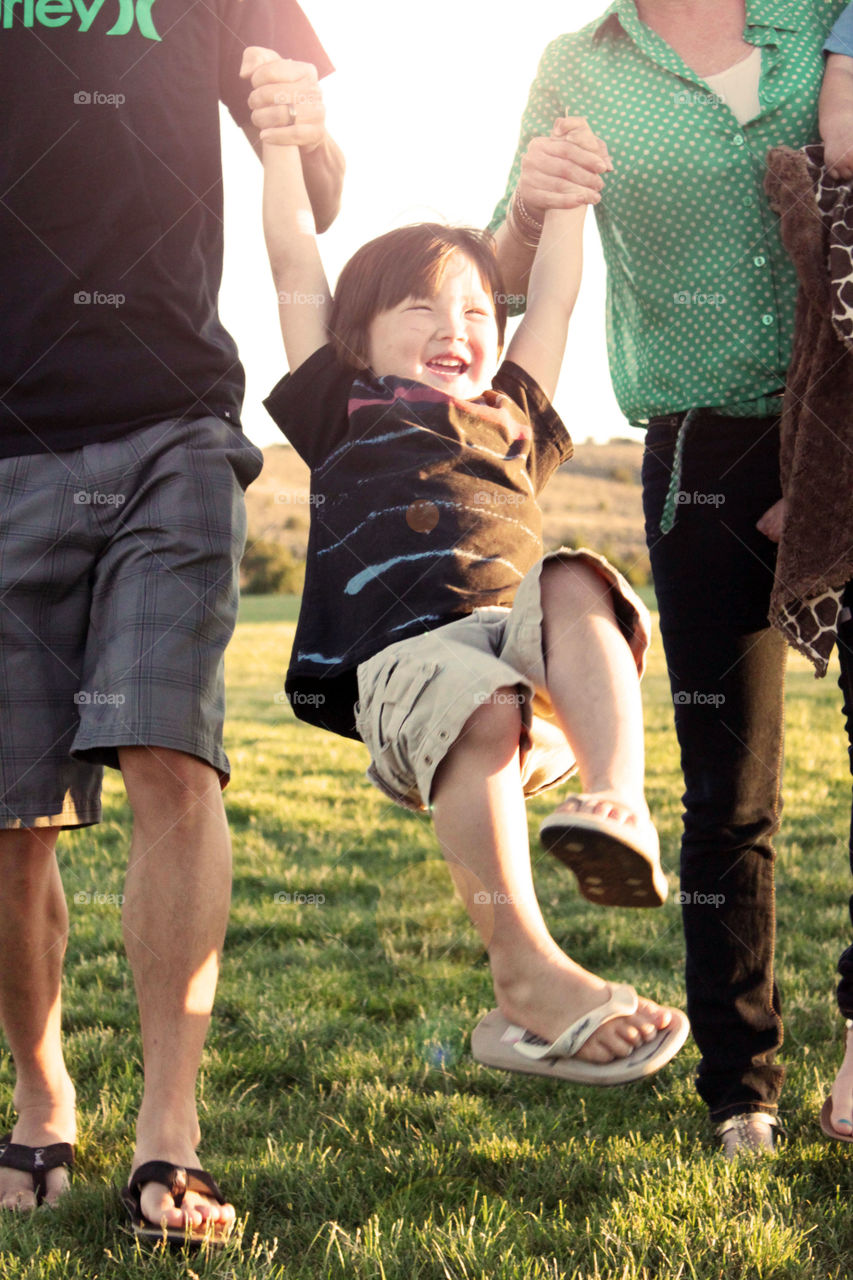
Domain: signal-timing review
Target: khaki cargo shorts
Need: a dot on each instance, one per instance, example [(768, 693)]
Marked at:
[(415, 696)]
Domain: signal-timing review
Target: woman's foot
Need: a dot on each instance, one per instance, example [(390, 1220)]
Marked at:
[(551, 994), (40, 1124), (841, 1116)]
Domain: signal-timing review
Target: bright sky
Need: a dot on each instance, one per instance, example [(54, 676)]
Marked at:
[(426, 103)]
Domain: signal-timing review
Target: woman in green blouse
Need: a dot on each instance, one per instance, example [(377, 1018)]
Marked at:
[(689, 96)]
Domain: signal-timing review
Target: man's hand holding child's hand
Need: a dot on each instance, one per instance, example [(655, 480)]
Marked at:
[(286, 99)]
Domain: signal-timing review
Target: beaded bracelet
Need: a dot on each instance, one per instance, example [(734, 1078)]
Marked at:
[(521, 226), (526, 216)]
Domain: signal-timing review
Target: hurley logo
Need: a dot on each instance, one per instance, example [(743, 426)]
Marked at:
[(56, 13)]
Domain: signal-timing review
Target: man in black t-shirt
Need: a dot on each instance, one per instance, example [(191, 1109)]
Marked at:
[(122, 466)]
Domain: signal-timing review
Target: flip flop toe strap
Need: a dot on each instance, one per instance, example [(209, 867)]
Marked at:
[(175, 1178), (622, 1003), (36, 1161)]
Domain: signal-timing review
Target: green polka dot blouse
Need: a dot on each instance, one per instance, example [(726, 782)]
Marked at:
[(700, 292)]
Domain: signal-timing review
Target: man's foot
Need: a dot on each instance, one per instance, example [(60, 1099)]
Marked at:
[(556, 992), (197, 1213), (39, 1126), (750, 1133)]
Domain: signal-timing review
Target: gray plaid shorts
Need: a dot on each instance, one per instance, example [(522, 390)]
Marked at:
[(118, 595)]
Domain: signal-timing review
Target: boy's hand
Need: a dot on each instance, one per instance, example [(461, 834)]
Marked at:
[(772, 521), (286, 100), (838, 149), (564, 171)]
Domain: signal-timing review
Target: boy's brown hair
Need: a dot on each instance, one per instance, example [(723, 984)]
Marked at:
[(408, 262)]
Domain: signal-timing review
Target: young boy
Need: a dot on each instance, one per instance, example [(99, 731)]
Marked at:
[(432, 629)]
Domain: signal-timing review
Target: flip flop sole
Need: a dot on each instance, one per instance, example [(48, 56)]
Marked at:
[(491, 1047), (610, 871), (826, 1124)]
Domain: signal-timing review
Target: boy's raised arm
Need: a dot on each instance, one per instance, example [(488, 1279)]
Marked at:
[(303, 292), (540, 340)]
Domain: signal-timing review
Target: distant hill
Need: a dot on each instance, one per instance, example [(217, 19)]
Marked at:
[(593, 500)]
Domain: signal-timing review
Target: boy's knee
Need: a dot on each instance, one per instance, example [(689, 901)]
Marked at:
[(496, 724), (574, 577), (574, 582)]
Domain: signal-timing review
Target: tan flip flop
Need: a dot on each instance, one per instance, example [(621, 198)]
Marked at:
[(496, 1042), (826, 1124), (617, 865)]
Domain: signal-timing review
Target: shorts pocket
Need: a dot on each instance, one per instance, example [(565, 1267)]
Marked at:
[(403, 690)]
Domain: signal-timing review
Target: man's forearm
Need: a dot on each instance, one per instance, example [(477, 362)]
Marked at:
[(323, 169)]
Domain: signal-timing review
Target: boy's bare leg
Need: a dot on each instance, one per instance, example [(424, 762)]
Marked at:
[(34, 924), (481, 823), (177, 895), (842, 1092), (593, 684)]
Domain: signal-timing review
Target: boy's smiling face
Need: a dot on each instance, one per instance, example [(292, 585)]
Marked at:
[(450, 341)]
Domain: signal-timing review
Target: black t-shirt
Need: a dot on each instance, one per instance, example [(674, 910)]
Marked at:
[(423, 508), (111, 209)]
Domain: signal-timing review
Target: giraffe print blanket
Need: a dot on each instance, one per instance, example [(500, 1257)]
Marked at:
[(815, 559)]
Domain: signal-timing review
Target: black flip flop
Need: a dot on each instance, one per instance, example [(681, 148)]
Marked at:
[(36, 1161), (178, 1182)]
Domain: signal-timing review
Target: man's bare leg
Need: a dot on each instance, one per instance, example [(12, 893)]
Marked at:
[(177, 895), (481, 823), (34, 923)]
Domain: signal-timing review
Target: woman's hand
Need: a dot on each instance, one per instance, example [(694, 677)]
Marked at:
[(772, 521), (563, 171)]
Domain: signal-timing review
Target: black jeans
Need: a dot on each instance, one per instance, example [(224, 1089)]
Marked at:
[(713, 574), (845, 657)]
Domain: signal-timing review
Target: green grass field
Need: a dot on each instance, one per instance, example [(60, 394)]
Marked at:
[(339, 1104)]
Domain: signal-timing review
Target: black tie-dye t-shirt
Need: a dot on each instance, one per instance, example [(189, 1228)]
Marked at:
[(423, 508)]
